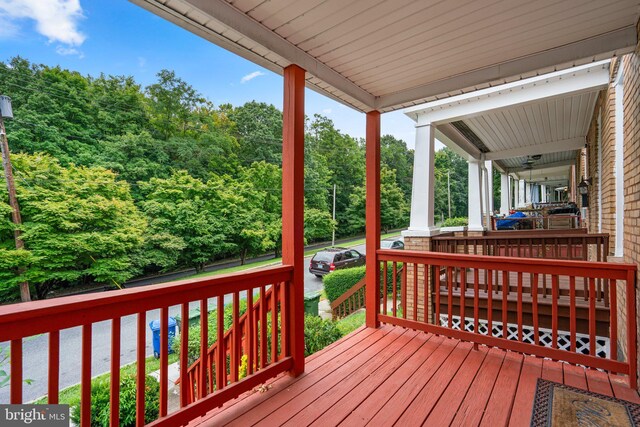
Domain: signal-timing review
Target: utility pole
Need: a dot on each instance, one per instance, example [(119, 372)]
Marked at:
[(5, 111), (449, 190), (333, 237)]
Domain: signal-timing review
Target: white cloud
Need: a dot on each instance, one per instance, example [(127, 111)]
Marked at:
[(327, 111), (65, 51), (55, 19), (251, 76)]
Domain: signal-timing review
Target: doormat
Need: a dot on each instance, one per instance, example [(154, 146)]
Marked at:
[(558, 405)]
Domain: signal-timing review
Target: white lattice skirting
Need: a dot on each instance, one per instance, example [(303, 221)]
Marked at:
[(564, 338)]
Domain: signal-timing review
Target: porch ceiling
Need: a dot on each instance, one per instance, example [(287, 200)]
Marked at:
[(546, 116), (389, 54)]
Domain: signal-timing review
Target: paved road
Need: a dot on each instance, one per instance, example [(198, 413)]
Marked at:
[(35, 349)]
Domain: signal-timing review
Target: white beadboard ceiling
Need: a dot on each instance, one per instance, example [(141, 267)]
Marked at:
[(391, 54)]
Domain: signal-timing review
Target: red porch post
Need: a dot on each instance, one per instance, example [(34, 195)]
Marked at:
[(373, 218), (293, 205)]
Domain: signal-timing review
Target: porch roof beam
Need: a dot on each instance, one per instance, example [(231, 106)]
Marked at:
[(586, 78), (452, 138), (546, 148)]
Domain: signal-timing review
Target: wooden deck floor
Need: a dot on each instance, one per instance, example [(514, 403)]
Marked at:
[(396, 376)]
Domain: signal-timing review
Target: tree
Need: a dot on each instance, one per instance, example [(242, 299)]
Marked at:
[(172, 103), (188, 214), (258, 128), (447, 161), (79, 225), (394, 210), (395, 155), (317, 224)]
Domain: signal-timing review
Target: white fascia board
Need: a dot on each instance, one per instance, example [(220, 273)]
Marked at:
[(559, 84), (613, 43), (231, 17), (546, 148), (452, 138)]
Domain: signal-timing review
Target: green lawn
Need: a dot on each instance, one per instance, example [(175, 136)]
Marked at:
[(352, 322), (275, 261)]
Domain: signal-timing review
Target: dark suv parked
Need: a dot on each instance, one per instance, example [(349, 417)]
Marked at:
[(330, 259)]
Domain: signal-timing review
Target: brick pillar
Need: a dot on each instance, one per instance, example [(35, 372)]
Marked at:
[(418, 243)]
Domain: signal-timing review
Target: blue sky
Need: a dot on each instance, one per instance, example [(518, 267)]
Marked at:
[(117, 37)]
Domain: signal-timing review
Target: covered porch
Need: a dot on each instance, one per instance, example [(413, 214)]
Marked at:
[(365, 56)]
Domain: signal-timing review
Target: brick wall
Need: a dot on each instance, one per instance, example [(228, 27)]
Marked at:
[(415, 243), (631, 70)]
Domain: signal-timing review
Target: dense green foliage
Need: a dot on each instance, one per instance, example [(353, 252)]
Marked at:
[(100, 395), (455, 222), (319, 333), (116, 180), (340, 281)]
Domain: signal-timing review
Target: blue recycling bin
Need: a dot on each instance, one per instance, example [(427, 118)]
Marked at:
[(155, 328)]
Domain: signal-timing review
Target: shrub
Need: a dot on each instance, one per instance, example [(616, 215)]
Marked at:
[(100, 402), (455, 222), (319, 333), (340, 281)]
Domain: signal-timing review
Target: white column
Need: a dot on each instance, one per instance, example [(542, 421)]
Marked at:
[(516, 193), (422, 195), (521, 195), (543, 193), (475, 196), (504, 194), (488, 168)]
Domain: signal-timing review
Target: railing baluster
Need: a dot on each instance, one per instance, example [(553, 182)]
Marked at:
[(114, 403), (415, 291), (204, 345), (436, 288), (554, 310), (164, 360), (274, 322), (404, 290), (476, 300), (235, 347), (263, 328), (425, 273), (394, 281), (249, 336), (221, 360), (534, 309), (490, 302), (463, 297), (284, 314), (385, 292), (613, 321), (140, 368), (16, 371), (505, 293), (631, 326), (184, 349), (450, 296), (520, 321), (592, 316), (54, 368), (572, 312), (85, 381)]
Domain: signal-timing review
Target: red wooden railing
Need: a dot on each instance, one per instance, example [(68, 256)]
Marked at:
[(265, 359), (248, 329), (420, 307), (350, 301)]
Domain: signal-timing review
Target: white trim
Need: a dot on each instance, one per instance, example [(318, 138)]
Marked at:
[(585, 78), (546, 148), (599, 169), (434, 231), (619, 163), (543, 166), (422, 190)]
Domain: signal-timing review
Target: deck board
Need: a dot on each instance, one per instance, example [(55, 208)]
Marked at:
[(393, 375)]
